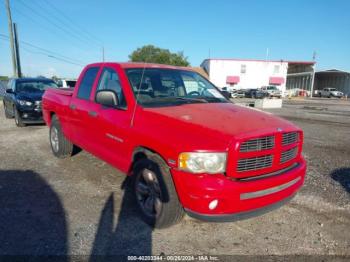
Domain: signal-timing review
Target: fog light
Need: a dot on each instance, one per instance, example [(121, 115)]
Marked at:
[(213, 204), (25, 115)]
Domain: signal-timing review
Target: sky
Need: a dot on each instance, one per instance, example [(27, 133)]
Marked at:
[(72, 33)]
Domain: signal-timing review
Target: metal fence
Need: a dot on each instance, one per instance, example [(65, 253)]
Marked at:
[(2, 88)]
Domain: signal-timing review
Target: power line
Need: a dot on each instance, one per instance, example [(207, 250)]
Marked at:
[(45, 52), (88, 34), (49, 20), (36, 22)]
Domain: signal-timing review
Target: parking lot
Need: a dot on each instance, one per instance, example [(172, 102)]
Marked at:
[(79, 205)]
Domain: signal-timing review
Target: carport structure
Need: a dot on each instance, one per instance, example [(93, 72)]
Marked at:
[(337, 79), (300, 76)]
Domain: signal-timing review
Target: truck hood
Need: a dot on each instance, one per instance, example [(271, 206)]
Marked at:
[(220, 121)]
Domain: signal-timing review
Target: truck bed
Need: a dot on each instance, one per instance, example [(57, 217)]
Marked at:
[(56, 100)]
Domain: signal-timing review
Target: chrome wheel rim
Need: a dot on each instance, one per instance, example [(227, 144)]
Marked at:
[(148, 193), (54, 139)]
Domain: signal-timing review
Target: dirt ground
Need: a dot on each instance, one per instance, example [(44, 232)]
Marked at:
[(77, 206)]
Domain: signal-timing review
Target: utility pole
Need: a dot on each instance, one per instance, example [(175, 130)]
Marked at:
[(18, 60), (9, 19)]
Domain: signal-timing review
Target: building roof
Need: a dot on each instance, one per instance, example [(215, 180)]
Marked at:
[(331, 71), (262, 60), (200, 71)]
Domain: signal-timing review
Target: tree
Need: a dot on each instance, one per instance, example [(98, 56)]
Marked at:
[(152, 54)]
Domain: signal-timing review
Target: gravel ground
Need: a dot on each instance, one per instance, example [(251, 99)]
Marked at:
[(78, 206)]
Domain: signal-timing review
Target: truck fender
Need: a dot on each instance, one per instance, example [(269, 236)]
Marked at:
[(144, 152)]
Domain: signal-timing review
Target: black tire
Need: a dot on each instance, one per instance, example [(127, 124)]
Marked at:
[(171, 210), (7, 115), (63, 148), (18, 119)]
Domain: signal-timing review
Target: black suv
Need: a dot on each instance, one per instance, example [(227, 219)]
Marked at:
[(23, 97)]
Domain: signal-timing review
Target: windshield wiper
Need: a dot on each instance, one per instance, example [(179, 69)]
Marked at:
[(191, 99), (211, 99)]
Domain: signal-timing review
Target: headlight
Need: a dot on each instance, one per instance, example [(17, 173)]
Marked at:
[(24, 103), (211, 163)]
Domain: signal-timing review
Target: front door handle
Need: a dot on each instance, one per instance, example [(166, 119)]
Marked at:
[(93, 113), (73, 107)]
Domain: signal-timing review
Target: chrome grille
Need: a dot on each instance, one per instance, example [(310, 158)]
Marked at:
[(289, 155), (290, 138), (258, 144), (254, 163)]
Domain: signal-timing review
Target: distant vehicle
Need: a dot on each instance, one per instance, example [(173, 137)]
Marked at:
[(226, 93), (66, 83), (256, 93), (330, 92), (272, 90), (23, 97), (237, 93), (234, 93)]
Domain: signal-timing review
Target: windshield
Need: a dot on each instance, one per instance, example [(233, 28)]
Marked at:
[(34, 85), (168, 87)]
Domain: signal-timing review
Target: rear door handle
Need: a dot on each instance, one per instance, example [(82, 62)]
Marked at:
[(73, 107), (93, 113)]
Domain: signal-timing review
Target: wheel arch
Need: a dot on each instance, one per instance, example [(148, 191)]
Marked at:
[(141, 152)]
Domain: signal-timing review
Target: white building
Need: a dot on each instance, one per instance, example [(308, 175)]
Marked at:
[(247, 74)]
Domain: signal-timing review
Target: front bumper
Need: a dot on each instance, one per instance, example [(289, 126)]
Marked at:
[(31, 116), (241, 215), (236, 199)]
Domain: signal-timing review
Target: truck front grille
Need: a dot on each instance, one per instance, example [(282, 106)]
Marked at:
[(258, 144), (254, 163), (288, 155), (290, 138)]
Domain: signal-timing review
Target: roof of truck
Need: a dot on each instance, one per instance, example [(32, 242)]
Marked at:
[(127, 65)]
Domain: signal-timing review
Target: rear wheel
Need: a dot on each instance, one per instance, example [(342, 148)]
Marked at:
[(60, 145), (18, 119), (155, 193)]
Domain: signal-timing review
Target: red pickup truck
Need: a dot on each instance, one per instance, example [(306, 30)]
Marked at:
[(186, 147)]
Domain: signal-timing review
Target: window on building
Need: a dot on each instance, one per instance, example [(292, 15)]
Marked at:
[(276, 69), (243, 69)]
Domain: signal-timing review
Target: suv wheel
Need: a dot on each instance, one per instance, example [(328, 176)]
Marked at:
[(155, 193), (18, 119), (60, 145)]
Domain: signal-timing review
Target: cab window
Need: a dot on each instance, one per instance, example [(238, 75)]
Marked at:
[(87, 82), (109, 80)]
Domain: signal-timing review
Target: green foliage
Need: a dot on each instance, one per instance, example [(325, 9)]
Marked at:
[(152, 54), (4, 78)]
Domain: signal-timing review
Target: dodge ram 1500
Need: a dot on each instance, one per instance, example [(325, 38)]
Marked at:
[(186, 147)]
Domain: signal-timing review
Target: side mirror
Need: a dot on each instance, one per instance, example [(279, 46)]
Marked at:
[(9, 91), (107, 98)]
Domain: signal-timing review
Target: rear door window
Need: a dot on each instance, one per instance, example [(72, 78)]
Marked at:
[(87, 83)]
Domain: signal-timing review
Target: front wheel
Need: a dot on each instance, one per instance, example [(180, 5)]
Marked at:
[(60, 145), (155, 193), (18, 119)]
